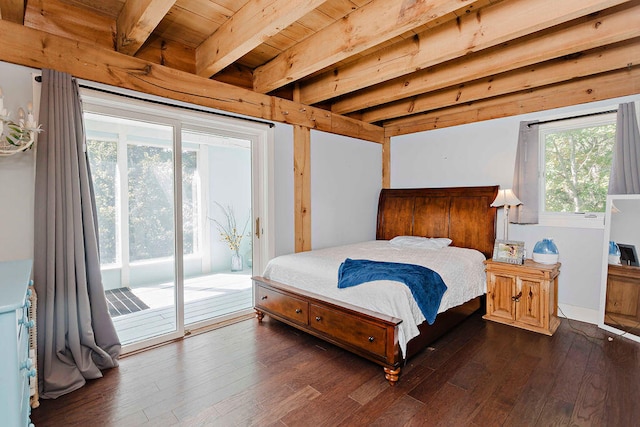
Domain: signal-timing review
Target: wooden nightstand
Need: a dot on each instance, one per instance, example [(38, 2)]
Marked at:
[(525, 295)]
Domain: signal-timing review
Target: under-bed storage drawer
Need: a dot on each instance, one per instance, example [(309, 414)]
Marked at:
[(292, 308), (349, 329)]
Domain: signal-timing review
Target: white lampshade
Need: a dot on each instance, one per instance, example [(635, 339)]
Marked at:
[(505, 198)]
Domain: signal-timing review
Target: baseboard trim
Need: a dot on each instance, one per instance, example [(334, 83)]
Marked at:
[(580, 314)]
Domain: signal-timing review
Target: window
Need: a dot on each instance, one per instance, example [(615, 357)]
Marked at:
[(575, 162)]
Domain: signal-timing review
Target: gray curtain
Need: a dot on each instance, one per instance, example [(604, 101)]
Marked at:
[(76, 336), (625, 166), (525, 176)]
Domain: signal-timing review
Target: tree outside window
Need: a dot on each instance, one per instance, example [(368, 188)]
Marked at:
[(577, 163)]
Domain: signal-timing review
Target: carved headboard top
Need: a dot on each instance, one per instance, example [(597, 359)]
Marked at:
[(462, 214)]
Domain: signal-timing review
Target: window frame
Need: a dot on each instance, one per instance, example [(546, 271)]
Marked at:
[(567, 219)]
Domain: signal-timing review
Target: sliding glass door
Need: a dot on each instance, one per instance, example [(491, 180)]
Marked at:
[(177, 208), (132, 167), (217, 217)]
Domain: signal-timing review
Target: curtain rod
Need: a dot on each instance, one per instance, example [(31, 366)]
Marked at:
[(573, 117), (168, 104)]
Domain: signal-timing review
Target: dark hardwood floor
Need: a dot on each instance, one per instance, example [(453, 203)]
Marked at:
[(480, 374)]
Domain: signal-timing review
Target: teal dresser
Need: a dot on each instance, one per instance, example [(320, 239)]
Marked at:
[(15, 365)]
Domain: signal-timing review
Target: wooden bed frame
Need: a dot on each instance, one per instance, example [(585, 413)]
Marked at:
[(462, 214)]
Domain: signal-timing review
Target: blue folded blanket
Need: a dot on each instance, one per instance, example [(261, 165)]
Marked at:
[(426, 285)]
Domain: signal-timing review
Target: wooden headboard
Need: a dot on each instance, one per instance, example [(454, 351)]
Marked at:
[(462, 214)]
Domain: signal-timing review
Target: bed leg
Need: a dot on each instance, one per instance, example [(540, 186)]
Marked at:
[(391, 375), (259, 315)]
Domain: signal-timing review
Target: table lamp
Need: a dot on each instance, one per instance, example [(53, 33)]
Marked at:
[(507, 199)]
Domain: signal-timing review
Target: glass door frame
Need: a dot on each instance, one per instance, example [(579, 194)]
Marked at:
[(261, 136)]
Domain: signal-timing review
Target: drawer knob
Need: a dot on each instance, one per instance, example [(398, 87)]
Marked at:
[(264, 298), (318, 318), (298, 311), (371, 339)]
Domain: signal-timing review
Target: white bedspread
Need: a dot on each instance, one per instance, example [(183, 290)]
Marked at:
[(317, 271)]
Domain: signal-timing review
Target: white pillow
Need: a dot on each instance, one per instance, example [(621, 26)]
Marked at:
[(420, 242)]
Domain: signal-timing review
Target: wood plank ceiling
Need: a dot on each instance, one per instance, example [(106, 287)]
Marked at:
[(401, 66)]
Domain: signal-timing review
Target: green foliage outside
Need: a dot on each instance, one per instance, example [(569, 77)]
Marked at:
[(150, 189), (150, 194), (577, 168), (103, 157)]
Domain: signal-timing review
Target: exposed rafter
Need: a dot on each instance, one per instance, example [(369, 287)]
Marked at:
[(590, 89), (366, 27), (12, 10), (489, 27), (137, 20), (69, 21), (557, 71), (360, 66), (590, 32), (255, 22)]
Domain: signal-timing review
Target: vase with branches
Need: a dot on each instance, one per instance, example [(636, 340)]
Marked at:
[(231, 234)]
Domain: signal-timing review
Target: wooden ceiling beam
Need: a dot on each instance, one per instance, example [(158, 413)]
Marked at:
[(32, 48), (597, 61), (615, 25), (488, 27), (247, 29), (12, 10), (72, 22), (590, 89), (168, 53), (136, 21), (362, 29)]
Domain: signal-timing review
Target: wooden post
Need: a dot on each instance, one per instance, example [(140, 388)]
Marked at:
[(302, 187), (301, 184), (386, 162)]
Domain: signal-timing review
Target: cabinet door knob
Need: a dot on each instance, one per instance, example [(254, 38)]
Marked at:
[(318, 318), (298, 311), (517, 297)]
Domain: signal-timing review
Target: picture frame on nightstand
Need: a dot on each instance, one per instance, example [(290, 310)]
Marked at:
[(628, 254), (509, 251)]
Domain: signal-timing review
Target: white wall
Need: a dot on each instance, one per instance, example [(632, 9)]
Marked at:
[(484, 154), (346, 178), (16, 173), (283, 192)]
